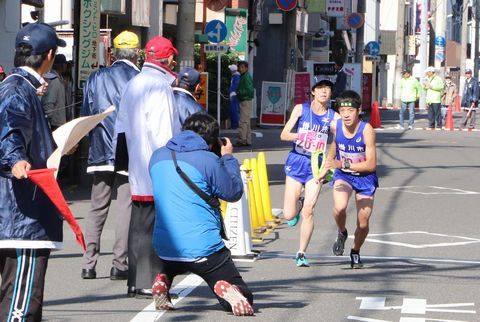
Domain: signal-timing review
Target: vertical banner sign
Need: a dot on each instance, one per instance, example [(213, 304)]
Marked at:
[(202, 93), (237, 31), (302, 88), (366, 91), (335, 8), (274, 103), (89, 39)]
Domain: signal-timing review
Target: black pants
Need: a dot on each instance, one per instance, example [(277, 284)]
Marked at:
[(143, 263), (23, 280), (216, 267), (434, 115)]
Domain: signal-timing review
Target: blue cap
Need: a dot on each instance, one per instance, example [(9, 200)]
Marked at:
[(40, 36), (189, 76)]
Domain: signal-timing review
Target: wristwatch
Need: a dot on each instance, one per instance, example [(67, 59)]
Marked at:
[(346, 164)]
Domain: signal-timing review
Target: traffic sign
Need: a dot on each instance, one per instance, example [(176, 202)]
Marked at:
[(372, 48), (439, 55), (286, 5), (355, 20), (440, 41), (215, 48), (216, 31)]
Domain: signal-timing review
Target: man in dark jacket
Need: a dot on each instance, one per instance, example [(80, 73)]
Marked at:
[(103, 89), (185, 101), (470, 100), (30, 225), (245, 93), (187, 232)]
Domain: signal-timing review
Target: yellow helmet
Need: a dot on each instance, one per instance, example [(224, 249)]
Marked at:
[(126, 39)]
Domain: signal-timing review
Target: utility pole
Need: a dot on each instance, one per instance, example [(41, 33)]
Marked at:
[(475, 52), (463, 50), (359, 45), (440, 27), (400, 51), (423, 52), (185, 30), (290, 51)]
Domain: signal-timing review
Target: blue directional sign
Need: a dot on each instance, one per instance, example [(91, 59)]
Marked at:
[(440, 41), (216, 31), (372, 48)]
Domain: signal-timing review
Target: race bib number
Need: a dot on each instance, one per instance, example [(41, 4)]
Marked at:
[(310, 141), (352, 158)]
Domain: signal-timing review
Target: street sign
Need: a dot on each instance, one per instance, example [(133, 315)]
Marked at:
[(372, 48), (439, 55), (286, 5), (355, 20), (215, 48), (216, 31), (440, 41)]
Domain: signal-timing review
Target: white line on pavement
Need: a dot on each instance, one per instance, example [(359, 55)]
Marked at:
[(444, 190)]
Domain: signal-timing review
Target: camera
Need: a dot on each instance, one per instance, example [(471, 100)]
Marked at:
[(217, 146)]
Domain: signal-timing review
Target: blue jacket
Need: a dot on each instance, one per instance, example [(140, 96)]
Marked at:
[(185, 103), (470, 93), (186, 227), (28, 219), (103, 88)]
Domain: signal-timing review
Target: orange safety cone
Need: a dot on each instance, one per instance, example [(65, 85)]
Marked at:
[(457, 104), (375, 121), (449, 119)]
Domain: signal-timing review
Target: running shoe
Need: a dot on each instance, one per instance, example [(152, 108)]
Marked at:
[(355, 261), (233, 295), (339, 244), (160, 293), (301, 260), (294, 221)]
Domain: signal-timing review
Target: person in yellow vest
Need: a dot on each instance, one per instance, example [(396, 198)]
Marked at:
[(433, 85), (410, 90)]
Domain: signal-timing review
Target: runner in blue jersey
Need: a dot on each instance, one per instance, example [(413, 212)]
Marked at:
[(353, 153), (308, 127)]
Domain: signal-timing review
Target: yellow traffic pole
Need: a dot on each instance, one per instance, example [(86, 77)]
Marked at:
[(256, 228), (265, 189), (258, 194), (223, 208)]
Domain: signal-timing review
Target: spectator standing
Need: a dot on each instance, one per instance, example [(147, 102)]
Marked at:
[(353, 155), (2, 73), (54, 99), (185, 101), (104, 88), (149, 119), (469, 100), (233, 102), (341, 80), (410, 91), (433, 85), (30, 224), (449, 95), (187, 233), (245, 93)]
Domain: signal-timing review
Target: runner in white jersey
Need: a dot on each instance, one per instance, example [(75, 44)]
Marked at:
[(311, 122), (353, 153)]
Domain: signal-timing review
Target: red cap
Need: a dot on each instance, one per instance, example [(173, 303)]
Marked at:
[(159, 47)]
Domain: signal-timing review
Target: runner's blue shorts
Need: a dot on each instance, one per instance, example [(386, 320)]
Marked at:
[(299, 167), (365, 185)]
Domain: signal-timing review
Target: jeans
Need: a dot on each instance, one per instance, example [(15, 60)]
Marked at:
[(411, 113), (434, 115), (444, 112)]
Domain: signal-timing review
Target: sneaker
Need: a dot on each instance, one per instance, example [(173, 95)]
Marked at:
[(294, 221), (161, 297), (410, 127), (339, 244), (355, 261), (234, 297), (399, 127), (301, 260)]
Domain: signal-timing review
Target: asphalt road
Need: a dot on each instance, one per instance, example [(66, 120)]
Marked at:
[(422, 256)]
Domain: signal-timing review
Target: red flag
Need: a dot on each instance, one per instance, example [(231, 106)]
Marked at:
[(45, 179)]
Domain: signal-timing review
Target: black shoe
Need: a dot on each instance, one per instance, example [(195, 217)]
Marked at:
[(88, 274), (355, 261), (144, 293), (339, 244), (131, 291), (117, 274)]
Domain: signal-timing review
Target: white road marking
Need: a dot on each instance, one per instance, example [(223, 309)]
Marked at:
[(444, 190), (182, 289), (467, 241), (359, 318)]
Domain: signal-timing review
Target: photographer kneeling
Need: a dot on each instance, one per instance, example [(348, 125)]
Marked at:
[(188, 174)]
